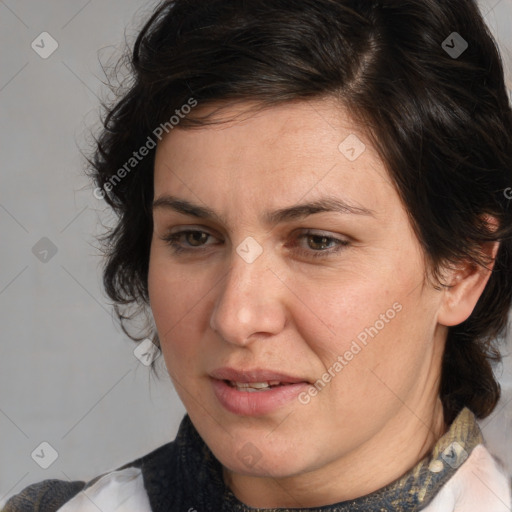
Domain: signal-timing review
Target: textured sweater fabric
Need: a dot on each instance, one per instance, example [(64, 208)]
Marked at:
[(458, 475)]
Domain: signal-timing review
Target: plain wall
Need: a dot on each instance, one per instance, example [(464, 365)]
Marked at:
[(68, 376)]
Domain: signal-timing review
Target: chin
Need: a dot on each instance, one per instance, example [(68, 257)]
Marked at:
[(262, 461)]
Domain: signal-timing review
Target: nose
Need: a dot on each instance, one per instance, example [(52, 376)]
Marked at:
[(250, 304)]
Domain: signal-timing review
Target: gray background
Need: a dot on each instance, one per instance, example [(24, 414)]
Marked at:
[(68, 376)]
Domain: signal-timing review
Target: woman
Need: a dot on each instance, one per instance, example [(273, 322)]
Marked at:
[(312, 200)]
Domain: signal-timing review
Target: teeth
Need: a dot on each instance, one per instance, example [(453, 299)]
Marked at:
[(257, 385), (254, 386)]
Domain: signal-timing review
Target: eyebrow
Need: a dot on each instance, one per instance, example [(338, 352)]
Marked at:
[(295, 212)]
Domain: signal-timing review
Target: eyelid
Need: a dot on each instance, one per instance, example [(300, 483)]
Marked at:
[(320, 232), (180, 228), (305, 232)]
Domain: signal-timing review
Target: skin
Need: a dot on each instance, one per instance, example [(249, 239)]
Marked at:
[(291, 312)]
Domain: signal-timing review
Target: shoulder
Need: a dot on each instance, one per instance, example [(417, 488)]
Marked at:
[(104, 492), (130, 488), (480, 483), (119, 490), (45, 496)]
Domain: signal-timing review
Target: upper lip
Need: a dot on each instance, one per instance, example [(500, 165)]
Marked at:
[(253, 375)]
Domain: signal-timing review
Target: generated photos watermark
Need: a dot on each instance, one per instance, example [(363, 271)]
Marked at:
[(143, 151), (356, 346)]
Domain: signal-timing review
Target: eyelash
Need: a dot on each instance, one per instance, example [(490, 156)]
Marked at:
[(172, 241)]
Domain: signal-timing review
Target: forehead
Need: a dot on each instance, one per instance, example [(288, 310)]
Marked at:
[(273, 156)]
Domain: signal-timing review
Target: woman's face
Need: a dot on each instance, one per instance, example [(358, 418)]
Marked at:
[(288, 292)]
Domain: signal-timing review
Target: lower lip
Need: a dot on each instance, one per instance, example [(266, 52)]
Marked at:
[(256, 403)]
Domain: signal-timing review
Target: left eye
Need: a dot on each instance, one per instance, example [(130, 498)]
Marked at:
[(321, 245), (319, 241)]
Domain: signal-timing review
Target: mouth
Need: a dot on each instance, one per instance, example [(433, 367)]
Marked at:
[(255, 392), (255, 379)]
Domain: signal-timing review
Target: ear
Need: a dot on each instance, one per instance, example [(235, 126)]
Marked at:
[(466, 284)]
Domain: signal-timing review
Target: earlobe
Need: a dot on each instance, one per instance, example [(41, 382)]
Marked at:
[(465, 285)]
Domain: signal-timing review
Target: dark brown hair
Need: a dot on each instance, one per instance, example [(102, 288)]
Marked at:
[(441, 122)]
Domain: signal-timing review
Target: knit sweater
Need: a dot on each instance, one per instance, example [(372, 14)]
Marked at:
[(458, 475)]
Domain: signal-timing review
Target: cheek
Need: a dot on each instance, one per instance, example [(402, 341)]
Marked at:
[(339, 310), (177, 303), (384, 356), (376, 323)]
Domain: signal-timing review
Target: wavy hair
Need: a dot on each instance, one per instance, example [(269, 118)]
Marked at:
[(437, 112)]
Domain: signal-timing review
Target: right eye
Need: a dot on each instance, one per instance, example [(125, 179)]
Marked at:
[(189, 240)]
